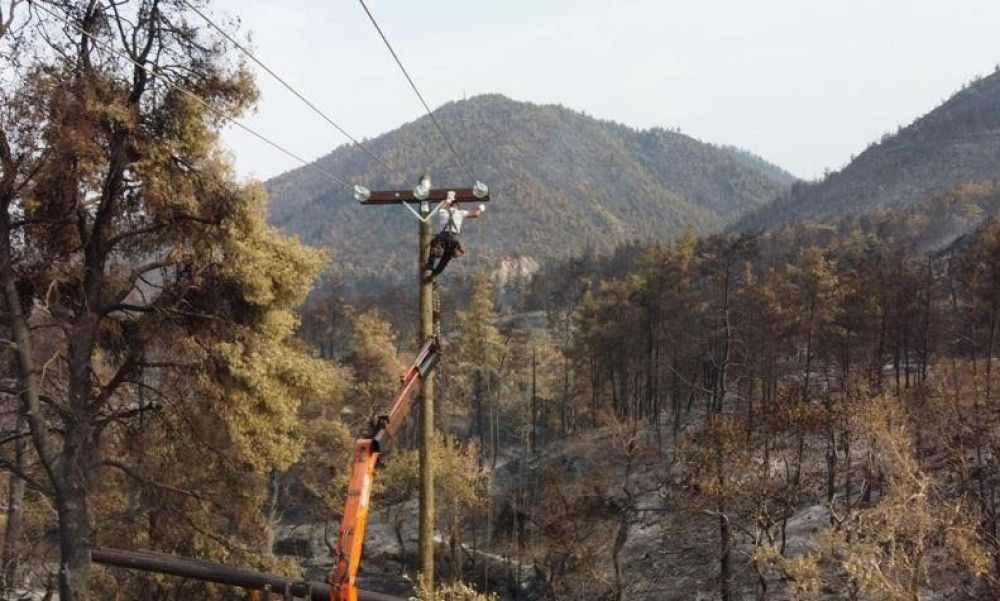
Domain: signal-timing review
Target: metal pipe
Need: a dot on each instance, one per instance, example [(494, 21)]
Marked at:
[(194, 569)]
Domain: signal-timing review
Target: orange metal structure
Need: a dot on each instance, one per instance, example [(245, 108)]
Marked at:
[(347, 557)]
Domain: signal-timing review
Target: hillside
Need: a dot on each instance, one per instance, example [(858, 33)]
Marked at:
[(956, 143), (561, 181)]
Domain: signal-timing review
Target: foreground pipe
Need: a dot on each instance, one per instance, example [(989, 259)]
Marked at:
[(194, 569)]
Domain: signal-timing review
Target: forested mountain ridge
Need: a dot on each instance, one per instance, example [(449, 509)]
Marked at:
[(560, 181), (954, 144)]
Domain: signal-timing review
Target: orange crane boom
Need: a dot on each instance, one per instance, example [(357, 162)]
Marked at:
[(347, 556)]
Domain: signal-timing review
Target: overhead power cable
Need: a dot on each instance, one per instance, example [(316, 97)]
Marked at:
[(153, 71), (295, 92), (413, 85)]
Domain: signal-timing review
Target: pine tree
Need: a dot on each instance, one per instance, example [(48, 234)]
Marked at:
[(374, 365), (142, 287), (473, 357)]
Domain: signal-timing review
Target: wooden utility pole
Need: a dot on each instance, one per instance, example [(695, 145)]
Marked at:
[(427, 330), (426, 408)]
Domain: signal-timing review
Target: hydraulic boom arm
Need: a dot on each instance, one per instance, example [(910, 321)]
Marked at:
[(347, 556)]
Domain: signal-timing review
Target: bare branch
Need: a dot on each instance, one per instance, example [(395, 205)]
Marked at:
[(128, 471)]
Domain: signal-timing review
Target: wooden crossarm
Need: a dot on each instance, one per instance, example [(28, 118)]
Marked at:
[(391, 197)]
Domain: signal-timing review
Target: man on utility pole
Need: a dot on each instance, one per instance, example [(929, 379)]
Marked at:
[(446, 244), (425, 197)]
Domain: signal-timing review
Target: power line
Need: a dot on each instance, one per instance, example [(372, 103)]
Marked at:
[(289, 87), (152, 71), (413, 85)]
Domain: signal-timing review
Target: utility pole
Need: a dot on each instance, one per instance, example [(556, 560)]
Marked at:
[(426, 198), (426, 406)]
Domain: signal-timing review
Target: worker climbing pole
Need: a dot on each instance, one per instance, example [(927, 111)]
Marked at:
[(447, 244), (434, 254)]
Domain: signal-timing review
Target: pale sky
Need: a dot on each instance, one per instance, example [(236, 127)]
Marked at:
[(803, 83)]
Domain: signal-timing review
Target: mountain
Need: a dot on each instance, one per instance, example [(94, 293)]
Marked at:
[(954, 144), (561, 181)]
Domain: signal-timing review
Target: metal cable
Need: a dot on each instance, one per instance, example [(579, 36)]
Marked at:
[(153, 71), (289, 87), (413, 85)]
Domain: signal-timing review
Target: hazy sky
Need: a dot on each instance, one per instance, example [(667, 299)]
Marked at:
[(803, 83)]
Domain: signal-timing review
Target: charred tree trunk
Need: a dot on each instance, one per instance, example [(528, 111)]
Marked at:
[(725, 534), (534, 402), (15, 517), (725, 555), (564, 411), (675, 395), (74, 540), (29, 395), (478, 417), (272, 511), (595, 391)]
